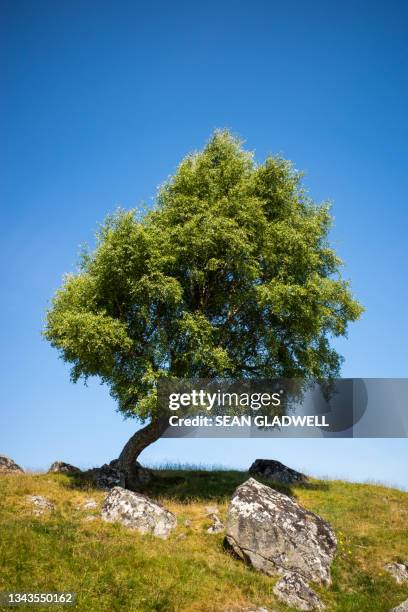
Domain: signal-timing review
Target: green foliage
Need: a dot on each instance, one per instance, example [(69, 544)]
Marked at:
[(230, 274)]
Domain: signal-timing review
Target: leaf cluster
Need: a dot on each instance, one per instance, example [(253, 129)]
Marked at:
[(230, 274)]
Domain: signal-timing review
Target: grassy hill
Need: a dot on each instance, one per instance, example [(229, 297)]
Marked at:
[(112, 568)]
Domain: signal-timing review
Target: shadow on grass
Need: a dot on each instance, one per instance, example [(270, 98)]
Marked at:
[(195, 485)]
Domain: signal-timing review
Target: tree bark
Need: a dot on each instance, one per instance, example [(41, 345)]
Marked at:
[(135, 445)]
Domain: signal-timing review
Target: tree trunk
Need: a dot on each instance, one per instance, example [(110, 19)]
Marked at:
[(137, 443)]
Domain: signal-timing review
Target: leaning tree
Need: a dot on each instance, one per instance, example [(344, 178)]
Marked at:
[(229, 274)]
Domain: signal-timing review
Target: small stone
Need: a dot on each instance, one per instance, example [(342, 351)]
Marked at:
[(399, 571), (89, 504), (8, 466), (187, 523), (217, 526), (294, 591), (42, 504)]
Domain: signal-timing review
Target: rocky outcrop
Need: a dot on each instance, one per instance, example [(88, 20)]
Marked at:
[(109, 475), (106, 477), (143, 474), (399, 571), (60, 467), (294, 591), (8, 466), (41, 504), (403, 607), (136, 511), (274, 534), (275, 471)]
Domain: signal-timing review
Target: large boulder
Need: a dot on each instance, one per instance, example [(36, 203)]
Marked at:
[(60, 467), (8, 466), (137, 511), (274, 534), (275, 471)]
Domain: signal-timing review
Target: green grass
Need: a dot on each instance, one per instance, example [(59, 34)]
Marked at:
[(111, 568)]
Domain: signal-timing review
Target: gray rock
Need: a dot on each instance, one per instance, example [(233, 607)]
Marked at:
[(89, 504), (211, 510), (217, 526), (399, 571), (144, 475), (106, 477), (42, 505), (8, 466), (403, 607), (275, 471), (60, 467), (294, 591), (137, 511), (274, 534)]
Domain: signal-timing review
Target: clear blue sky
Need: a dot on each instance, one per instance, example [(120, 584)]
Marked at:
[(100, 101)]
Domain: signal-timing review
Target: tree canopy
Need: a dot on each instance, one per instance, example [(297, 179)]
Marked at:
[(229, 274)]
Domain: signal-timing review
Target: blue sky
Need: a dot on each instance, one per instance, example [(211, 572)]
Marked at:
[(100, 102)]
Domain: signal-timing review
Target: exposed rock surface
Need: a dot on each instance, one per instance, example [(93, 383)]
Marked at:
[(294, 591), (211, 510), (42, 505), (274, 534), (137, 511), (106, 477), (275, 471), (89, 504), (8, 466), (144, 475), (403, 607), (399, 571), (60, 467), (109, 475), (217, 526)]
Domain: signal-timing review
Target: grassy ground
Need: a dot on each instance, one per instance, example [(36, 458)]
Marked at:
[(111, 568)]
